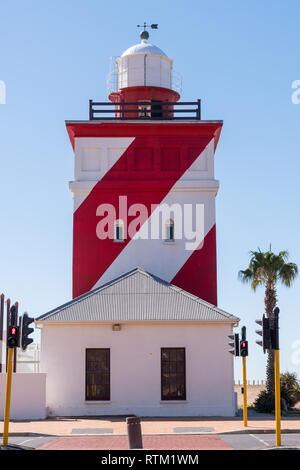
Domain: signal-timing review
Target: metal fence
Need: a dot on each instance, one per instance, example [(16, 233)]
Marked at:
[(166, 110)]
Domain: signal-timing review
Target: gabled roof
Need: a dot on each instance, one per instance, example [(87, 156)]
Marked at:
[(137, 296)]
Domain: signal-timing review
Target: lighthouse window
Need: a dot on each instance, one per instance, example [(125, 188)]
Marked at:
[(157, 109), (97, 374), (145, 109), (173, 379), (170, 233), (119, 231)]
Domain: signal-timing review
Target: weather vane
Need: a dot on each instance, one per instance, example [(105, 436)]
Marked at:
[(144, 34)]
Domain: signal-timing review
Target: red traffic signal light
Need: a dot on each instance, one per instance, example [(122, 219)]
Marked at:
[(244, 348), (13, 337)]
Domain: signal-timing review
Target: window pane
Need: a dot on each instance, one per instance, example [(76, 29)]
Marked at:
[(97, 374), (173, 354), (173, 374), (165, 355), (180, 354)]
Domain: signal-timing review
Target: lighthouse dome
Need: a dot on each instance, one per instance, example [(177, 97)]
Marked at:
[(144, 65), (143, 48)]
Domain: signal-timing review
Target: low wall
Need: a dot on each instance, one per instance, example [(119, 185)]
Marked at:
[(252, 393), (28, 396)]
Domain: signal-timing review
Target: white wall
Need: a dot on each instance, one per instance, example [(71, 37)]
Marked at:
[(28, 396), (144, 70), (135, 368)]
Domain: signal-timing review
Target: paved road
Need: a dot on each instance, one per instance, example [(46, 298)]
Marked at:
[(259, 441), (159, 442)]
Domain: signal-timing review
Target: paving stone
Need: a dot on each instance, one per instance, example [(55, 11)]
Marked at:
[(92, 431), (193, 429)]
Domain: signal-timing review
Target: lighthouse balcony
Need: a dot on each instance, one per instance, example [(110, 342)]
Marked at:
[(145, 110)]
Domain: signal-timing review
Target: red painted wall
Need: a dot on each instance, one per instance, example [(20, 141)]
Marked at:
[(145, 173)]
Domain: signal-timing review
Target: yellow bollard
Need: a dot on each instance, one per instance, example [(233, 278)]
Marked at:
[(8, 395), (245, 393), (277, 398)]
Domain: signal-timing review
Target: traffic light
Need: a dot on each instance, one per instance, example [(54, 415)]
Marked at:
[(25, 321), (275, 330), (235, 344), (244, 348), (265, 333), (13, 336)]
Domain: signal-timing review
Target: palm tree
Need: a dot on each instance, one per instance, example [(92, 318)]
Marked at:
[(266, 269)]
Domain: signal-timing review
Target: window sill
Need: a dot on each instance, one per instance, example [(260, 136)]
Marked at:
[(97, 402), (119, 241), (169, 242), (173, 402)]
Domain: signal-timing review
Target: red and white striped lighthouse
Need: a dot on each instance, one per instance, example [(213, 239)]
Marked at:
[(145, 161)]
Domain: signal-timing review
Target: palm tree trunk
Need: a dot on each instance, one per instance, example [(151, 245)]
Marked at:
[(270, 383), (270, 304)]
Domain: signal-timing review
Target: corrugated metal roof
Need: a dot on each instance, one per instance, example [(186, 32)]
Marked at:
[(137, 296)]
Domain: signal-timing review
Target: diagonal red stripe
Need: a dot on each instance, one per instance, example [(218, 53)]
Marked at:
[(145, 173), (199, 274)]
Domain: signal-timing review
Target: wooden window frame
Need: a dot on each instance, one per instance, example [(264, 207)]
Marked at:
[(183, 398), (86, 375)]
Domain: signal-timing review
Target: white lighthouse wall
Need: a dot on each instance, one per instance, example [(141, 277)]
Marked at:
[(144, 70), (136, 370), (95, 156)]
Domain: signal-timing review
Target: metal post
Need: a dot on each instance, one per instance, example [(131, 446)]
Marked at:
[(134, 433), (91, 114), (277, 398), (7, 325), (199, 110), (1, 328), (15, 349), (8, 395), (245, 393), (275, 338), (245, 414)]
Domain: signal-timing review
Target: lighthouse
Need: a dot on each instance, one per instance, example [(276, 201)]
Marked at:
[(143, 323), (145, 150)]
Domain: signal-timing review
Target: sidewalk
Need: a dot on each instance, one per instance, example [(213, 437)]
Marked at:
[(117, 426)]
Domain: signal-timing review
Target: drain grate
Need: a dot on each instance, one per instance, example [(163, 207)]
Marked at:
[(190, 429), (92, 431)]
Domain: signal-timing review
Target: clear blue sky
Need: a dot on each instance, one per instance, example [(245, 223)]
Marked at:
[(240, 58)]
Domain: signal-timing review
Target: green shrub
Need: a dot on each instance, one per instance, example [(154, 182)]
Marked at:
[(290, 386), (265, 402)]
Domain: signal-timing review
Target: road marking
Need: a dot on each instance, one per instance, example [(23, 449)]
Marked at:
[(31, 439), (260, 440)]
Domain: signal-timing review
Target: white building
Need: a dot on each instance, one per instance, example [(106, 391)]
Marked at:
[(137, 345)]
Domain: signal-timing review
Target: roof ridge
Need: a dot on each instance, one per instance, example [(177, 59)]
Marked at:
[(201, 301), (137, 270), (91, 293)]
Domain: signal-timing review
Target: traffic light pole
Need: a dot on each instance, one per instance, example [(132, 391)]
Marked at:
[(244, 355), (8, 395), (275, 338), (270, 342), (245, 393), (277, 398)]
